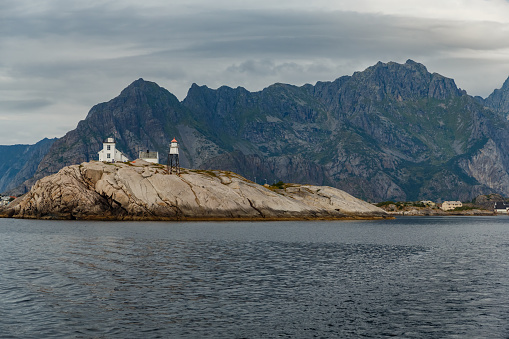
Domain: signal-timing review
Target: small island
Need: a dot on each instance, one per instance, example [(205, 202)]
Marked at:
[(141, 190), (481, 206)]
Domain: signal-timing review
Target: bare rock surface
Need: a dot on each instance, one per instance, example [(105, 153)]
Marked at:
[(145, 191)]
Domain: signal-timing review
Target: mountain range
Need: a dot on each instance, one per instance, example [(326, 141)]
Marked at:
[(391, 132)]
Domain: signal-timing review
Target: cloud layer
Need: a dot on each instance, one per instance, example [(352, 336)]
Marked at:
[(59, 58)]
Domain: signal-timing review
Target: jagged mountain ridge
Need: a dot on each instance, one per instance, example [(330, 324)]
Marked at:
[(499, 99), (393, 131)]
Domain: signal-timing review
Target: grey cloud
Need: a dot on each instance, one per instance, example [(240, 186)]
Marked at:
[(262, 73), (90, 68), (263, 68), (244, 33), (338, 34), (92, 52), (10, 106)]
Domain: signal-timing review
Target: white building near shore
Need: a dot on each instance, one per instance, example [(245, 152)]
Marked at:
[(450, 205), (502, 207), (110, 153), (5, 200)]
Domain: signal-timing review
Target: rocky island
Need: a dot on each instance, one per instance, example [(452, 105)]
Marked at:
[(141, 190)]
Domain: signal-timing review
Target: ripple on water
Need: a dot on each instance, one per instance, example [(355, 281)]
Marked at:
[(93, 285)]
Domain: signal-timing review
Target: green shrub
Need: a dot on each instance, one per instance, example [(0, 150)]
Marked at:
[(279, 185), (465, 208), (385, 203)]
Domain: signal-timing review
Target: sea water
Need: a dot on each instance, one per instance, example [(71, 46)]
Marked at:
[(413, 277)]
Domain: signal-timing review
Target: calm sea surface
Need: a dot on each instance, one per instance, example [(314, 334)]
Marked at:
[(429, 277)]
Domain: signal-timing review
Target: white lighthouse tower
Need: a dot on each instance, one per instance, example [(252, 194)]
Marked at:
[(173, 157), (110, 153)]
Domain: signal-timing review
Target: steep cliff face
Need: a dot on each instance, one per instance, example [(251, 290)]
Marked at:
[(412, 128), (19, 162), (393, 131), (499, 99), (144, 191), (487, 167)]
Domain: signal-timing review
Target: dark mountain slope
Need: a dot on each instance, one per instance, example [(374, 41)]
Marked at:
[(393, 131), (417, 127), (142, 117), (19, 162), (498, 101)]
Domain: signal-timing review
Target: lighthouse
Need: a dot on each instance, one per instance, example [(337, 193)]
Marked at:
[(110, 153), (173, 157)]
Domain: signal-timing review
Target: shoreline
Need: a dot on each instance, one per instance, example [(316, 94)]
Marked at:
[(204, 219), (388, 216), (414, 213)]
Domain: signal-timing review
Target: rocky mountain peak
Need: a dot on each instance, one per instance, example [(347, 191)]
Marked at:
[(505, 86), (138, 93), (195, 87), (412, 63), (143, 88), (392, 131), (136, 86), (499, 99), (410, 80), (196, 91)]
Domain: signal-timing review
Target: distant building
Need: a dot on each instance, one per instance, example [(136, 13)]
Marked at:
[(502, 207), (5, 200), (450, 205), (428, 203), (149, 156), (110, 153)]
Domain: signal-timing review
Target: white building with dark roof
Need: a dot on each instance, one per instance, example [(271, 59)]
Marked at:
[(110, 153), (502, 207)]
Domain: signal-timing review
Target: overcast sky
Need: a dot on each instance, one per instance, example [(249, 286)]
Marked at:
[(58, 58)]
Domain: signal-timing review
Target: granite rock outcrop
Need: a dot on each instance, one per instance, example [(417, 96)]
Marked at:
[(145, 191)]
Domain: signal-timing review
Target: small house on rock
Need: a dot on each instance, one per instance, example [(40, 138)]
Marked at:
[(149, 156)]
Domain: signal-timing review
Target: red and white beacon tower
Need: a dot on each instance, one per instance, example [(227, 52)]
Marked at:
[(173, 157)]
